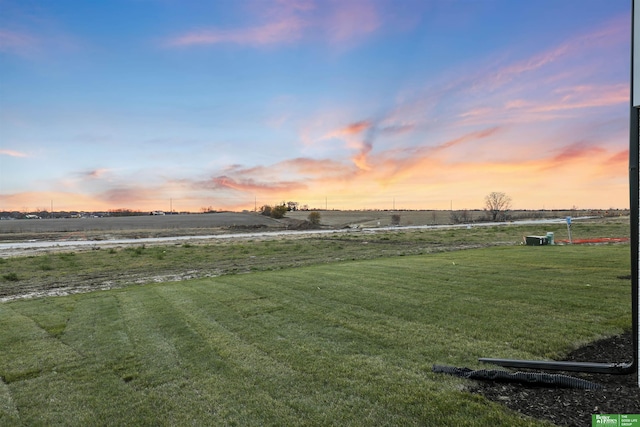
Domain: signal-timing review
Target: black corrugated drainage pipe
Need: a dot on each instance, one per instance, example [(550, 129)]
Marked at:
[(530, 378)]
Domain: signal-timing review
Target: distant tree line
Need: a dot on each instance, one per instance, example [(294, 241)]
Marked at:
[(127, 212), (279, 211)]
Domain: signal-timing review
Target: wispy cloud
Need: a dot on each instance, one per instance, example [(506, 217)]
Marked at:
[(253, 186), (585, 96), (351, 20), (609, 34), (13, 153), (37, 42), (286, 30), (286, 22), (16, 42), (617, 161), (94, 173), (352, 129)]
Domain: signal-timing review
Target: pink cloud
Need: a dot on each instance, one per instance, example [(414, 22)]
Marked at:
[(472, 136), (587, 97), (288, 21), (12, 153), (618, 160), (611, 33), (251, 185), (282, 31)]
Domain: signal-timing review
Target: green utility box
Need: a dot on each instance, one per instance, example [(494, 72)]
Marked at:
[(536, 240), (550, 238)]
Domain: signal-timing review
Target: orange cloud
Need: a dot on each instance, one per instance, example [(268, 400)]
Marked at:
[(354, 128), (418, 178), (360, 159), (349, 131)]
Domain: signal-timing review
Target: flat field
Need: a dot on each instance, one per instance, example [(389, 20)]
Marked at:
[(59, 270), (226, 222), (132, 226)]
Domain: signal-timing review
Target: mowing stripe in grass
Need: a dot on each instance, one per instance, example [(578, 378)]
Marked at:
[(353, 381), (27, 349), (340, 344), (8, 410)]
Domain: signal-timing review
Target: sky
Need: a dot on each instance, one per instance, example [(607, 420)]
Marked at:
[(337, 104)]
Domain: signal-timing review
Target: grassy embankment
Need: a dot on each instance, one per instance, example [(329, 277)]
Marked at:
[(349, 342)]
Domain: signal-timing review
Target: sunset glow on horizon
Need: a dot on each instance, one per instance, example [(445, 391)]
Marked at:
[(352, 104)]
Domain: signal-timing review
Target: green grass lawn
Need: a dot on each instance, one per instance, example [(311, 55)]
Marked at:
[(344, 343)]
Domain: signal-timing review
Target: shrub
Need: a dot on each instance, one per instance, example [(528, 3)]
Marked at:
[(278, 211), (314, 218), (266, 210)]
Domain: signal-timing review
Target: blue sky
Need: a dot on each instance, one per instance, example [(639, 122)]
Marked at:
[(352, 104)]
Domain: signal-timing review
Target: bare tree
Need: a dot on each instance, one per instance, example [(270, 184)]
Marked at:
[(496, 204)]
